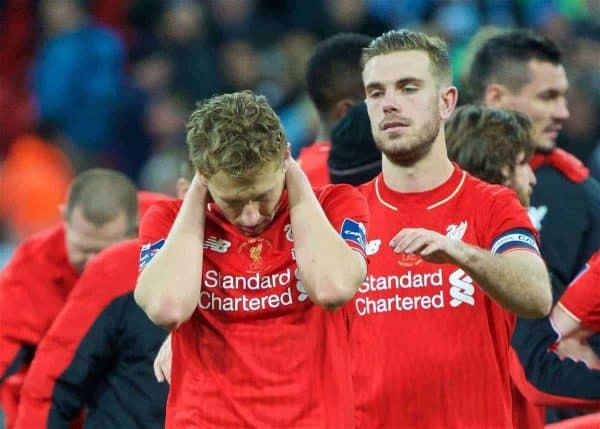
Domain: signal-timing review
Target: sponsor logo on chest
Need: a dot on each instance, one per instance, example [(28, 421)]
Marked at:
[(413, 284), (429, 288), (250, 293)]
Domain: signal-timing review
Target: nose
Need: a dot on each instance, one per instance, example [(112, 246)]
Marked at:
[(562, 110), (250, 214), (389, 102)]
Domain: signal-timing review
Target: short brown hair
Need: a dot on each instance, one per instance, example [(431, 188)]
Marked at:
[(483, 140), (236, 133), (102, 195), (405, 40), (504, 58)]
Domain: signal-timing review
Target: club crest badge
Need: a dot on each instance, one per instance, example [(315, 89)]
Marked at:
[(254, 249)]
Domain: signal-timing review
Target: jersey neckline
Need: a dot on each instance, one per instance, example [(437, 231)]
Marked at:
[(428, 200)]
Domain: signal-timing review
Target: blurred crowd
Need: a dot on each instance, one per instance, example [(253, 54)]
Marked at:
[(109, 82)]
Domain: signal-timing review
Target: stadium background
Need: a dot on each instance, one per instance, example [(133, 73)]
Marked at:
[(109, 82)]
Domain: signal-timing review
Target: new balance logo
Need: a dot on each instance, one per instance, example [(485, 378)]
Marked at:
[(456, 232), (462, 289), (217, 244)]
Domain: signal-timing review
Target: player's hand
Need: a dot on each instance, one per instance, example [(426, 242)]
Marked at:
[(293, 171), (199, 187), (199, 183), (297, 183), (578, 350), (162, 362), (429, 245)]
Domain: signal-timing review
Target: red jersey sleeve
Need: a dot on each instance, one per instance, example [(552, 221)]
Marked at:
[(347, 210), (508, 226), (102, 281), (154, 228), (582, 298)]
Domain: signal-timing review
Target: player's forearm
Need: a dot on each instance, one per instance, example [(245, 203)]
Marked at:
[(169, 287), (519, 283), (331, 271), (542, 376)]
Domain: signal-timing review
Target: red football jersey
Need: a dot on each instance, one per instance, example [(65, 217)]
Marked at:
[(582, 298), (430, 349), (34, 286), (313, 161), (257, 352), (56, 350)]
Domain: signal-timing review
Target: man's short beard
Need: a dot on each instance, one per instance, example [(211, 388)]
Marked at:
[(413, 148)]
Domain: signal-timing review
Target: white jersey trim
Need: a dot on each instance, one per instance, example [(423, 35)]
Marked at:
[(432, 206), (569, 312)]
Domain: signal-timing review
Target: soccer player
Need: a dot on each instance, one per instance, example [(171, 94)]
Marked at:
[(522, 71), (101, 210), (98, 353), (247, 271), (333, 82), (451, 258), (493, 145)]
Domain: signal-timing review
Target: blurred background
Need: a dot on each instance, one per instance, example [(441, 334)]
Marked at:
[(109, 83)]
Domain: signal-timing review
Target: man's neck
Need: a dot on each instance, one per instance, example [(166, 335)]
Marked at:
[(324, 131), (427, 173)]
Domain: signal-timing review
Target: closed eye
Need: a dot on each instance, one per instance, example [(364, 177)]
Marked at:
[(375, 93)]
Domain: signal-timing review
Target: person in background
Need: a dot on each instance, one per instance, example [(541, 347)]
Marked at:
[(353, 158), (333, 82), (77, 80), (98, 353), (35, 176), (522, 71), (101, 210), (493, 145)]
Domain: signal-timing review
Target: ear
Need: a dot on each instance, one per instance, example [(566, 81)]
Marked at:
[(495, 95), (505, 170), (181, 187), (448, 101), (341, 108)]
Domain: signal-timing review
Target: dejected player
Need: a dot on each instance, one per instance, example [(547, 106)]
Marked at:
[(245, 271)]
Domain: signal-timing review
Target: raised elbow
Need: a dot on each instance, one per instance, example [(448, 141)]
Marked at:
[(544, 305), (540, 307), (332, 296), (163, 312), (331, 303)]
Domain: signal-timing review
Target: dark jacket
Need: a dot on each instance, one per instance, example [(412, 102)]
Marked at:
[(98, 354)]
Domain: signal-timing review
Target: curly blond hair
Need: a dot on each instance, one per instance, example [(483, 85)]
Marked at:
[(236, 133)]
